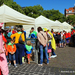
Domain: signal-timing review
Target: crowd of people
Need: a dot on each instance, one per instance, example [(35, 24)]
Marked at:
[(16, 50)]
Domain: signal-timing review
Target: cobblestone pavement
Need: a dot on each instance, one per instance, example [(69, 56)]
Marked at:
[(63, 64), (34, 69)]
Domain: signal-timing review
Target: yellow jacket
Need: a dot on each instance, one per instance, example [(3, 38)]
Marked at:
[(53, 44), (17, 36)]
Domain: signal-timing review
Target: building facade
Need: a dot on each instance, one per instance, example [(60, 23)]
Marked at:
[(70, 11)]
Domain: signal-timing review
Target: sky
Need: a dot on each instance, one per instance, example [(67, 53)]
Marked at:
[(60, 5)]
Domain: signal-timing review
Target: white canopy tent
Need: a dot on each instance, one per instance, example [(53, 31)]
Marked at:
[(57, 26), (66, 26), (70, 27), (43, 22), (27, 28), (47, 23), (12, 17)]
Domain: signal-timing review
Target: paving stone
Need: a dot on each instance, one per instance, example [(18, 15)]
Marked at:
[(63, 62)]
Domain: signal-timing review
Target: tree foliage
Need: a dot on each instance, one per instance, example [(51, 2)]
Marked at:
[(38, 10), (71, 19), (33, 11), (12, 4), (54, 15)]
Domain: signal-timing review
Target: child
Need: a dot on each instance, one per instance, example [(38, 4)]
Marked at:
[(49, 47), (61, 41), (29, 49), (12, 49), (64, 41)]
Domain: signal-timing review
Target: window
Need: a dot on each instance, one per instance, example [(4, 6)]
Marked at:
[(70, 11)]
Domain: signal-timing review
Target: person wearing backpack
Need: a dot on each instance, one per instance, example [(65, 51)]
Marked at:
[(19, 42)]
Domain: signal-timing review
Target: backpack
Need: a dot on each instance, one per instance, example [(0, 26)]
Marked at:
[(20, 40)]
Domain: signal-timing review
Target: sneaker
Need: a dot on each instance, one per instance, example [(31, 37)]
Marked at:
[(56, 55), (40, 64), (15, 66), (53, 56), (9, 64)]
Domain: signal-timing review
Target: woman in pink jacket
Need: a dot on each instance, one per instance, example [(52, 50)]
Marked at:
[(42, 37), (3, 60)]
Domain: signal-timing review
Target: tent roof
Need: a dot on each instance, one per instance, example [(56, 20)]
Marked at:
[(65, 23), (58, 23), (10, 16), (42, 20)]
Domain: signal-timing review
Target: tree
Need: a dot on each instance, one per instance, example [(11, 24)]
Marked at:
[(34, 11), (54, 15), (1, 2), (12, 4), (71, 19)]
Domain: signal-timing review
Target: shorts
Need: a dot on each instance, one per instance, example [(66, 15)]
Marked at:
[(28, 56), (61, 41), (11, 57), (64, 41), (49, 51)]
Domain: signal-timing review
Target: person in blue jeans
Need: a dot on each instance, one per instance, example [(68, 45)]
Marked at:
[(41, 54), (42, 38)]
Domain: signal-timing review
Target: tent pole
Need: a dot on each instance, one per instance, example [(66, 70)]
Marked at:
[(34, 27), (4, 25)]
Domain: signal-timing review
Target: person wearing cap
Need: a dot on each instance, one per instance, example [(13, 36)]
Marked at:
[(3, 60), (53, 44), (20, 46)]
